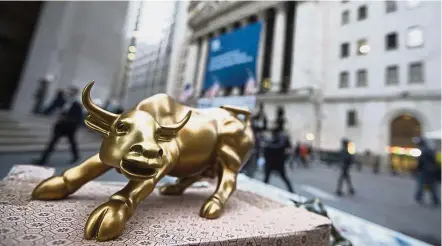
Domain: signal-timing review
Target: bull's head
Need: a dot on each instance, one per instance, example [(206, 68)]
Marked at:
[(132, 139)]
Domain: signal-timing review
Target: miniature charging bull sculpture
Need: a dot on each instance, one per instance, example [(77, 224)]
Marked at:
[(147, 143)]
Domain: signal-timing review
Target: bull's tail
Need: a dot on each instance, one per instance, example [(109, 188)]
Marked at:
[(239, 111)]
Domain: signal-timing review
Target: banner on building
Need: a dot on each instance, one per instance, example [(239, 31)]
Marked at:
[(247, 102), (232, 60)]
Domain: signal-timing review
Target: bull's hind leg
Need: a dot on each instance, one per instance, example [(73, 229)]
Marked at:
[(179, 187), (230, 164), (71, 180)]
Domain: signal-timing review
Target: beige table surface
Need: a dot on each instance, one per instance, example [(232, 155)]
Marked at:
[(249, 219)]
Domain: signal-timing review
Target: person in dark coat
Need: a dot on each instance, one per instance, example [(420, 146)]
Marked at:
[(259, 126), (66, 126), (427, 172), (346, 162), (57, 103), (275, 153), (40, 96), (280, 119)]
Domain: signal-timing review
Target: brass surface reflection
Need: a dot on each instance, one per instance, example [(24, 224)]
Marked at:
[(158, 137)]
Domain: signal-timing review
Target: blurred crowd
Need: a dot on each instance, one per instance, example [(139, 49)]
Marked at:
[(273, 151)]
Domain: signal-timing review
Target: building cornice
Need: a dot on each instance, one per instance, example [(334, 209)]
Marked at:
[(225, 15), (292, 97)]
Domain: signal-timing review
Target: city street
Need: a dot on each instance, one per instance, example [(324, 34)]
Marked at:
[(382, 199)]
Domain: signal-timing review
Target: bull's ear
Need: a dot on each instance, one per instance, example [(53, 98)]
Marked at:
[(97, 125), (167, 133)]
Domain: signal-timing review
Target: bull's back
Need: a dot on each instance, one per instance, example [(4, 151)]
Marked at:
[(197, 142), (199, 139)]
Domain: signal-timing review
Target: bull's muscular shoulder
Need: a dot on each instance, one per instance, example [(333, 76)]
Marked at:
[(162, 107)]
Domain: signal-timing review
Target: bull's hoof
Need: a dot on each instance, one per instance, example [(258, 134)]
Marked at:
[(107, 221), (212, 208), (171, 190), (53, 188)]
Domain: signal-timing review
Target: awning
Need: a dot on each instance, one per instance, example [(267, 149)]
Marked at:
[(433, 135)]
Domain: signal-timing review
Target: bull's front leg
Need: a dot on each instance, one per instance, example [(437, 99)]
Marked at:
[(108, 220), (71, 180), (230, 164)]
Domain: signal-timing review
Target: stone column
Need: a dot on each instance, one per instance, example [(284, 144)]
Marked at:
[(261, 49), (191, 65), (278, 48), (201, 72)]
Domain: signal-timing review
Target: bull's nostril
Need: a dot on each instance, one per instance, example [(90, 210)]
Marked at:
[(137, 149)]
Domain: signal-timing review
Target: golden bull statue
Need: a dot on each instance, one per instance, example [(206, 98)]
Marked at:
[(159, 137)]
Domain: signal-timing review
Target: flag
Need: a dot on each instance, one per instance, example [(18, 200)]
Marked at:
[(251, 85), (186, 93), (214, 90)]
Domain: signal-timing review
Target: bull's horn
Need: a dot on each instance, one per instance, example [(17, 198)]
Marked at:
[(93, 109), (169, 131)]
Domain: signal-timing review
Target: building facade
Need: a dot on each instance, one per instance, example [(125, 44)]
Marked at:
[(158, 46), (353, 69), (74, 42)]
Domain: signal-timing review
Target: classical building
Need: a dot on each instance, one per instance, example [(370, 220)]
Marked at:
[(354, 69), (158, 46), (73, 42)]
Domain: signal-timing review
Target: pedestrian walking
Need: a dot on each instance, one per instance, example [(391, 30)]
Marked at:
[(276, 153), (40, 95), (280, 119), (346, 162), (427, 172), (301, 154), (57, 103), (376, 164), (66, 126), (259, 126)]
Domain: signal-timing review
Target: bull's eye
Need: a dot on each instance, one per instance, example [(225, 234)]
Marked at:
[(121, 127)]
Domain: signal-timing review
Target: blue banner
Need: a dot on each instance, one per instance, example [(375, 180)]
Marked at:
[(232, 58)]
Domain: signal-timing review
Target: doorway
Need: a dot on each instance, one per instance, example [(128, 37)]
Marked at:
[(17, 24), (403, 150)]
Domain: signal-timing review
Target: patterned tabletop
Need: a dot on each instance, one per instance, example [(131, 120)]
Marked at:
[(249, 219)]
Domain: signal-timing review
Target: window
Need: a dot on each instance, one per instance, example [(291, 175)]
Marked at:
[(361, 78), (345, 47), (411, 4), (390, 6), (415, 72), (345, 17), (415, 37), (363, 47), (391, 41), (392, 75), (351, 118), (343, 80), (362, 13)]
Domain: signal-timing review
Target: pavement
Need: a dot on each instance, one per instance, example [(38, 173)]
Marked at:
[(381, 199)]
